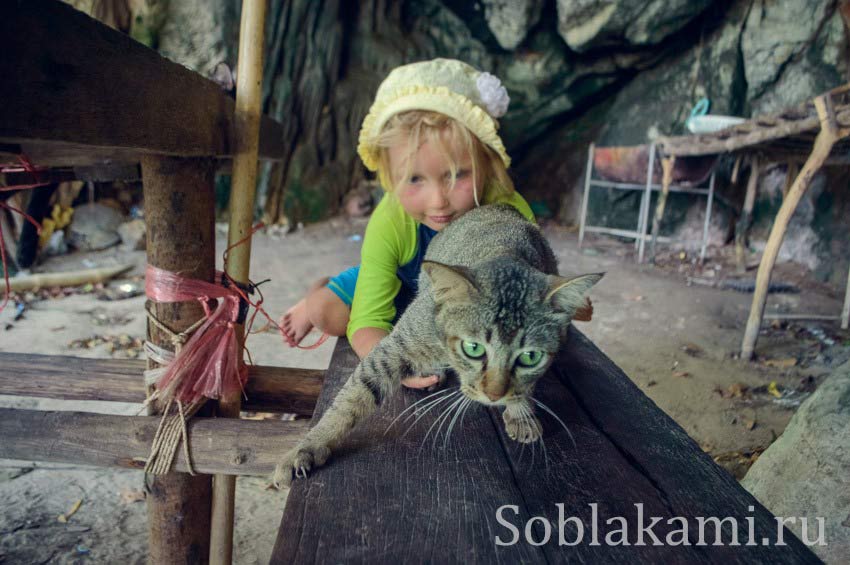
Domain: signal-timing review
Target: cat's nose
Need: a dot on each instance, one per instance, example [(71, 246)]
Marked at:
[(494, 386)]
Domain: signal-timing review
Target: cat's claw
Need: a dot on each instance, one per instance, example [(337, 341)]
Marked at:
[(523, 430), (298, 462)]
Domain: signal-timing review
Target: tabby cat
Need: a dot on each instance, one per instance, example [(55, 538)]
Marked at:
[(490, 306)]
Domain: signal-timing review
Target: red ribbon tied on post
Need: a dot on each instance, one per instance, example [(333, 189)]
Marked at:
[(210, 363)]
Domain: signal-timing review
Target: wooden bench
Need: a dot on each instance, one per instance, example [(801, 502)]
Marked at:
[(395, 498)]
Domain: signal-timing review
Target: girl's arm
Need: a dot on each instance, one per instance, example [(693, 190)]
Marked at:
[(364, 339)]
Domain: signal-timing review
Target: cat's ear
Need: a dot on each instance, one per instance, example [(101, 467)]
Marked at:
[(584, 313), (449, 283), (568, 295)]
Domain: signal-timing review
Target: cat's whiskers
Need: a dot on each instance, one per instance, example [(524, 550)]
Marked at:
[(468, 404), (458, 412), (443, 415), (454, 408), (415, 404), (430, 407), (551, 413)]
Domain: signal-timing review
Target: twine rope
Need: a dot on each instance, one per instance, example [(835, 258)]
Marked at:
[(171, 430)]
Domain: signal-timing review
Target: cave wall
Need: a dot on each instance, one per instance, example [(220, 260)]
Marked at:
[(616, 72)]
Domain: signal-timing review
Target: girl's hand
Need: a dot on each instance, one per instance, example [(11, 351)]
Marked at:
[(420, 382)]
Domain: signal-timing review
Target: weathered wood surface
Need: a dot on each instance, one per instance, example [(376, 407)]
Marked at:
[(217, 445), (74, 86), (269, 389), (180, 237), (389, 499), (381, 499)]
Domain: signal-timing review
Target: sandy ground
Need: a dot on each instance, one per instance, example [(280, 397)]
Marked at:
[(677, 342)]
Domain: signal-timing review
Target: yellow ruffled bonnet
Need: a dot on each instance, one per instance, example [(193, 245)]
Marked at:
[(454, 88)]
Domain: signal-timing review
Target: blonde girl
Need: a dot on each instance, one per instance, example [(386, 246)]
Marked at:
[(431, 137)]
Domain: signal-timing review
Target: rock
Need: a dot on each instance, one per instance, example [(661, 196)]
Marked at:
[(805, 472), (586, 24), (510, 20), (132, 235), (660, 99), (94, 227), (200, 33), (792, 50)]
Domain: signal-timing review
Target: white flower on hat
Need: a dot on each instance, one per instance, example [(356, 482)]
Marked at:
[(493, 94)]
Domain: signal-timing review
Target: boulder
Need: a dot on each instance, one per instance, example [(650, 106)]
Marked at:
[(792, 50), (806, 472), (586, 24), (200, 34), (94, 227), (510, 20), (659, 100)]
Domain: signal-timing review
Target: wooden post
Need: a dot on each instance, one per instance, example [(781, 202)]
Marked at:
[(845, 312), (828, 135), (643, 217), (180, 216), (249, 83), (588, 176), (708, 203), (743, 226), (667, 165)]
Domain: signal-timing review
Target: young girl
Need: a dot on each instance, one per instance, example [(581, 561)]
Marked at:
[(431, 136)]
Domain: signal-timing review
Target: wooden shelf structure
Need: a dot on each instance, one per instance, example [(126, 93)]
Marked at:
[(815, 133), (83, 101)]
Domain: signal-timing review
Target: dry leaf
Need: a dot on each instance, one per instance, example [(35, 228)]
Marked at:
[(774, 390), (692, 349), (64, 517), (780, 363), (736, 390), (681, 374), (131, 496)]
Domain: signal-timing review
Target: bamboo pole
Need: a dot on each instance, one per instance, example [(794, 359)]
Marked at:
[(667, 164), (845, 312), (743, 226), (828, 135), (66, 278), (249, 82), (180, 216), (643, 209), (588, 175)]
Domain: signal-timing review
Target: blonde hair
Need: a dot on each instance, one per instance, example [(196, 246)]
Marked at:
[(416, 127)]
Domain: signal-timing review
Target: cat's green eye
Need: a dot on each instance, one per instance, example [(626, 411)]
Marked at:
[(530, 358), (472, 349)]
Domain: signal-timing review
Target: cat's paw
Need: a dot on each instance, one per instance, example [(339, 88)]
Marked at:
[(298, 462), (523, 430)]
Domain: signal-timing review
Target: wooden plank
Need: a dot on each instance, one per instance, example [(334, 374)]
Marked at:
[(217, 445), (269, 389), (383, 499), (374, 501), (71, 84), (665, 463), (747, 136)]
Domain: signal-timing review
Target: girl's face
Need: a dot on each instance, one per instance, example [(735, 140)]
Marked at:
[(427, 193)]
